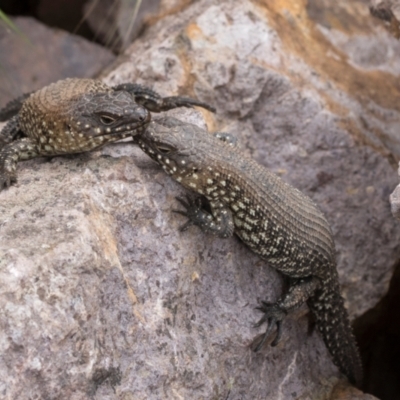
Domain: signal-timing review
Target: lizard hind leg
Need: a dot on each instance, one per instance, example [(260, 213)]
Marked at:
[(274, 315), (218, 221), (299, 292), (10, 154), (10, 131)]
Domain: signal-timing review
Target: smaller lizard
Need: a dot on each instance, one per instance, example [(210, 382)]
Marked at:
[(274, 219), (76, 115)]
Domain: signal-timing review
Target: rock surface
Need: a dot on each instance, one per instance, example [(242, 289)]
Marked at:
[(117, 23), (104, 298), (37, 55), (388, 11), (395, 201)]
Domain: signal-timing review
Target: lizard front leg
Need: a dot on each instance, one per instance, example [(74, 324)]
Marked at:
[(23, 149), (154, 102), (218, 222)]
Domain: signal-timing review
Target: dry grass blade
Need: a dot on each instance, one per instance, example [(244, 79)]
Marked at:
[(133, 19), (10, 25)]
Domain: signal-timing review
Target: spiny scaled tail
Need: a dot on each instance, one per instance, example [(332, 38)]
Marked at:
[(332, 320)]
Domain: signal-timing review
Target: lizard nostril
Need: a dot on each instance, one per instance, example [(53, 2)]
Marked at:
[(143, 115)]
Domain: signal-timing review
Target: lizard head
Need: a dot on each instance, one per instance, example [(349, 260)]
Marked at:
[(177, 147), (105, 115)]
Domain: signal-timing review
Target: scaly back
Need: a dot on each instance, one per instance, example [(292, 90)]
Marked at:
[(52, 102), (276, 220)]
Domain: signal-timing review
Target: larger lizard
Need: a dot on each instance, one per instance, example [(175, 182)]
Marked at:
[(274, 219), (76, 115)]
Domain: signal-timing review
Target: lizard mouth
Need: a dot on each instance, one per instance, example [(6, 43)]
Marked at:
[(123, 129)]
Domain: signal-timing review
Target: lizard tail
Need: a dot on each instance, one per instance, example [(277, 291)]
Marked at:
[(333, 322), (12, 108)]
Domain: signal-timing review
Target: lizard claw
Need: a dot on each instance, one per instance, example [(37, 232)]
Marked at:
[(191, 204), (186, 203), (193, 211), (273, 315), (186, 225), (6, 181), (7, 173)]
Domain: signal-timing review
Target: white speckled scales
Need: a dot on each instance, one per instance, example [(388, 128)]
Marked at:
[(274, 219)]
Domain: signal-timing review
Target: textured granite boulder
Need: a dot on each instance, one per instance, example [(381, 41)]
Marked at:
[(104, 298)]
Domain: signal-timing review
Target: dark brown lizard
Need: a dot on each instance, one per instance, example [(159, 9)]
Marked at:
[(74, 116), (274, 219)]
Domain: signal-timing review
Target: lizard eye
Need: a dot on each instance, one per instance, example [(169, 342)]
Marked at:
[(164, 149), (106, 119)]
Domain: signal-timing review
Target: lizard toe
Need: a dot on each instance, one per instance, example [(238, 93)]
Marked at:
[(273, 315), (6, 180)]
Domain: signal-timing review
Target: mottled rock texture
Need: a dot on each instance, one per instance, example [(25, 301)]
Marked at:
[(118, 22), (389, 12), (104, 298), (395, 201)]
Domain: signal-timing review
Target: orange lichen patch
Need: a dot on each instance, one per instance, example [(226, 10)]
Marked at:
[(377, 143), (110, 249), (186, 63), (300, 35), (194, 32), (357, 126), (394, 28), (297, 8), (335, 107), (210, 120)]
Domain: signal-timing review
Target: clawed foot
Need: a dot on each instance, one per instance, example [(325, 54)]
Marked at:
[(273, 314), (6, 180), (193, 211)]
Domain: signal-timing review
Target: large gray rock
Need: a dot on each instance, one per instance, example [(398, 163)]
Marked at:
[(235, 56), (104, 298), (36, 55)]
